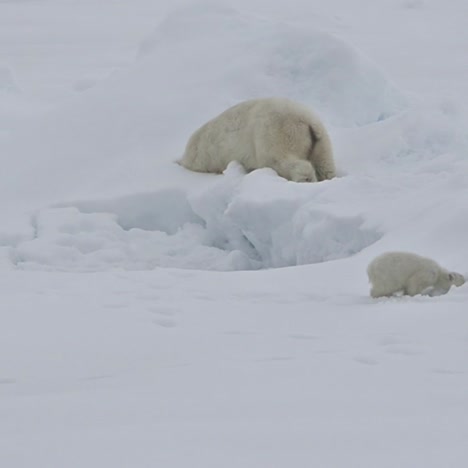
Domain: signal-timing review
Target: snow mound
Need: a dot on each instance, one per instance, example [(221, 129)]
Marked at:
[(276, 222), (425, 138), (269, 58), (166, 210), (142, 211), (199, 61), (238, 222)]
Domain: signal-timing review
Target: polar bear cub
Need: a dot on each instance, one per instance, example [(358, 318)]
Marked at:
[(268, 132), (410, 274)]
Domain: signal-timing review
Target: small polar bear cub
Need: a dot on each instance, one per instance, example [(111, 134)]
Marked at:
[(410, 274), (268, 132)]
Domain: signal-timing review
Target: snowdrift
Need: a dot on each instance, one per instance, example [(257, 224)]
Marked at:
[(134, 208), (238, 222)]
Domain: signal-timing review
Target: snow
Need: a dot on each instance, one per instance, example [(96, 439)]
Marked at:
[(153, 316)]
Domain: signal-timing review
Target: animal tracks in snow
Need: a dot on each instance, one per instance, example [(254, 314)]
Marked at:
[(164, 316)]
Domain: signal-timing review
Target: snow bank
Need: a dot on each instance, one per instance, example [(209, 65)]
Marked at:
[(241, 221), (274, 58), (199, 61), (139, 210), (238, 222)]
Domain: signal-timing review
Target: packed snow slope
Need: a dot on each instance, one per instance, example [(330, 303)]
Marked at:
[(133, 333)]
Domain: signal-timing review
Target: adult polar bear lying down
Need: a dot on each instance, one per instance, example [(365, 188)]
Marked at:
[(410, 274), (269, 132)]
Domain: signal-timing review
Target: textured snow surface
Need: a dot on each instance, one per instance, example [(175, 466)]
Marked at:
[(151, 316)]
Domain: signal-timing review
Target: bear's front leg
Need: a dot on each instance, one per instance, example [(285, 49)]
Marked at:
[(422, 281)]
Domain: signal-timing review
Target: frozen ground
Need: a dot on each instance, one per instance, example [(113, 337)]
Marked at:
[(145, 320)]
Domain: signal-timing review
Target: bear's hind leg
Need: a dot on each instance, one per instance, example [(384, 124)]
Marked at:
[(297, 170)]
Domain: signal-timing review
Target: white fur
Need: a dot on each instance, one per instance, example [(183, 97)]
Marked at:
[(269, 132), (410, 274)]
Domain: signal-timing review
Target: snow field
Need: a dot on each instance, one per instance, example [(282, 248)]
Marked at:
[(121, 366), (132, 333)]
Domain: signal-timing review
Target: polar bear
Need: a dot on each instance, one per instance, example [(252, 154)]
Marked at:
[(410, 274), (268, 132)]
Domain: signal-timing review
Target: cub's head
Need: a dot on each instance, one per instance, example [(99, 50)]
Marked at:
[(456, 278)]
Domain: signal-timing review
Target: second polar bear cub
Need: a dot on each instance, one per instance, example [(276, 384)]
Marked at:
[(269, 132), (410, 274)]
